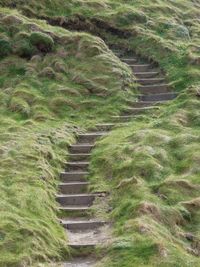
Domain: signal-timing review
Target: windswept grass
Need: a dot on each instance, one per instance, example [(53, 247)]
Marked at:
[(49, 92), (48, 87), (151, 168), (165, 31)]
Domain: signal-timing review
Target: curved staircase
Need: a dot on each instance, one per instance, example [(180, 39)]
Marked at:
[(74, 198)]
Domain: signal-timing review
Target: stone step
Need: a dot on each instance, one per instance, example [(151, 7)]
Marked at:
[(76, 199), (158, 97), (78, 176), (89, 236), (142, 104), (104, 126), (80, 262), (79, 156), (77, 166), (81, 148), (90, 137), (146, 74), (129, 60), (82, 246), (140, 67), (135, 111), (82, 224), (154, 89), (150, 81), (77, 208), (124, 118), (73, 187)]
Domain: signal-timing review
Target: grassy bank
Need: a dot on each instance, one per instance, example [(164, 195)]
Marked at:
[(151, 168), (49, 92), (49, 87), (164, 31)]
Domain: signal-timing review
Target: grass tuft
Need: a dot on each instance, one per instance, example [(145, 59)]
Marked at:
[(42, 41)]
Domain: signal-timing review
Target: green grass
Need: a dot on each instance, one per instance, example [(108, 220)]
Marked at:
[(162, 30), (151, 166), (47, 96)]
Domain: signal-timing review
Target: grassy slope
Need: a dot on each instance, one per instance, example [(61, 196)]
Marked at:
[(153, 165), (163, 30), (48, 93)]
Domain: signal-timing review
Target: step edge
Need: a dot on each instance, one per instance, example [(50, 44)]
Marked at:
[(168, 93), (75, 195), (74, 208), (146, 72), (82, 222), (93, 134), (74, 183), (142, 108), (83, 145), (74, 172), (153, 86), (77, 162)]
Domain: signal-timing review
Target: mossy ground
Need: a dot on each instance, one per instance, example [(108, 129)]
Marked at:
[(151, 166), (49, 93)]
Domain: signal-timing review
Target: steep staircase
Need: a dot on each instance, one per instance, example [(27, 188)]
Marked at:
[(74, 197)]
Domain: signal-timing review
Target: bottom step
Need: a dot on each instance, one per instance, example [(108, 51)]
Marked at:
[(88, 238), (82, 246), (80, 262)]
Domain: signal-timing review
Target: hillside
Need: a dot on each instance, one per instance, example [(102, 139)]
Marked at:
[(59, 78)]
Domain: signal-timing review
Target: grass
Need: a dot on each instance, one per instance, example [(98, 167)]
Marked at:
[(48, 94), (151, 166), (164, 31)]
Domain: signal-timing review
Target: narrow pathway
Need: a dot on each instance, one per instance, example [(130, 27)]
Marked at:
[(74, 197)]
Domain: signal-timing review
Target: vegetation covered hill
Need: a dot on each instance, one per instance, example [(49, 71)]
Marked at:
[(48, 94), (49, 91)]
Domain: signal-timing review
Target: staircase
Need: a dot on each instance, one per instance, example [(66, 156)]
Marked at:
[(74, 197)]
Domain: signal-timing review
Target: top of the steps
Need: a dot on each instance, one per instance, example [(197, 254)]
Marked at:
[(80, 262)]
